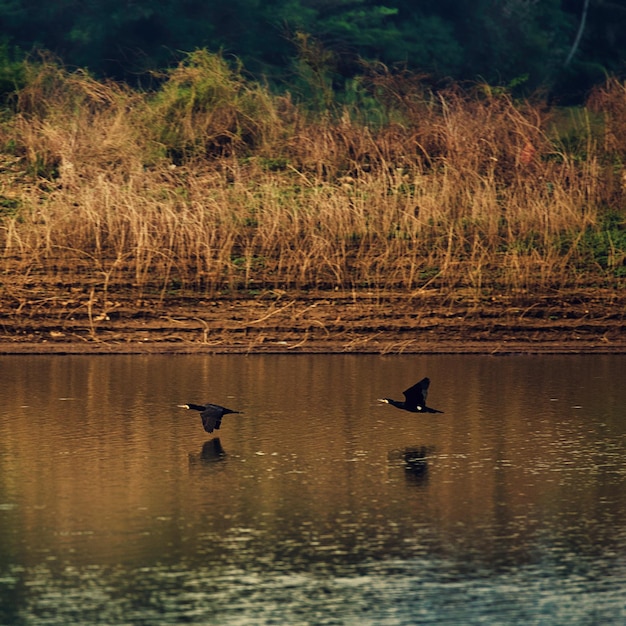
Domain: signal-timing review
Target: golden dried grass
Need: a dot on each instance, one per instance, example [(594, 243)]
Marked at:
[(214, 183)]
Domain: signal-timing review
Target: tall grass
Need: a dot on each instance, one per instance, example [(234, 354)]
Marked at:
[(210, 182)]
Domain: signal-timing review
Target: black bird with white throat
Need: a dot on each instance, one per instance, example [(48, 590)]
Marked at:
[(211, 414), (414, 399)]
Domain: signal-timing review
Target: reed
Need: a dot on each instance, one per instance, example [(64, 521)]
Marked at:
[(213, 183)]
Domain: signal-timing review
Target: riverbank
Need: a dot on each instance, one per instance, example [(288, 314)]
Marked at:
[(277, 322), (194, 219)]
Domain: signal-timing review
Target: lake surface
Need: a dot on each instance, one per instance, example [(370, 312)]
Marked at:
[(318, 504)]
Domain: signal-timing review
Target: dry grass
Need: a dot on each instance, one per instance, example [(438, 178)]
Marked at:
[(212, 183)]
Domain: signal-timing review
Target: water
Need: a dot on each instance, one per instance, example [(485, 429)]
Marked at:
[(317, 505)]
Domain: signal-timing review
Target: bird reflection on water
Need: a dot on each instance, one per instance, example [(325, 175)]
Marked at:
[(414, 460), (211, 452)]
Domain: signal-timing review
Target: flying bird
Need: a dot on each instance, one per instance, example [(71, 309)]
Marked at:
[(414, 399), (211, 414)]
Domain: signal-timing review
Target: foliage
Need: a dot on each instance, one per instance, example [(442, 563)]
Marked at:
[(11, 72), (213, 182), (605, 244), (202, 106), (495, 42)]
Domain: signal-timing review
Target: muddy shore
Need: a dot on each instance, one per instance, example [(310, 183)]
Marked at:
[(277, 322)]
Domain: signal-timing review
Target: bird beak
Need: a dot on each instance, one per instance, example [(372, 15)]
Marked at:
[(183, 406), (383, 400)]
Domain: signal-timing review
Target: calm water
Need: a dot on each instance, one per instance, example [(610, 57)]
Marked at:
[(317, 505)]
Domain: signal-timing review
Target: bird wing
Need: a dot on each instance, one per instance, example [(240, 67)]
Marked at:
[(415, 396), (211, 417)]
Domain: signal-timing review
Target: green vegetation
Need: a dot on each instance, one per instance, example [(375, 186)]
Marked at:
[(212, 182), (560, 46)]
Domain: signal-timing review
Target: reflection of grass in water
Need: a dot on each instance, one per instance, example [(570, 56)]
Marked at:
[(212, 182)]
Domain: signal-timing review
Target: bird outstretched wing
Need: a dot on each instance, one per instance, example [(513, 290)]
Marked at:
[(212, 417), (415, 396)]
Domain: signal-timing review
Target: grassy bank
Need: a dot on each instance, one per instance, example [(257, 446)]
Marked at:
[(210, 183)]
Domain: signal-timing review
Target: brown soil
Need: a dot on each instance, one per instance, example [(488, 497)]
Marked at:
[(277, 322)]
